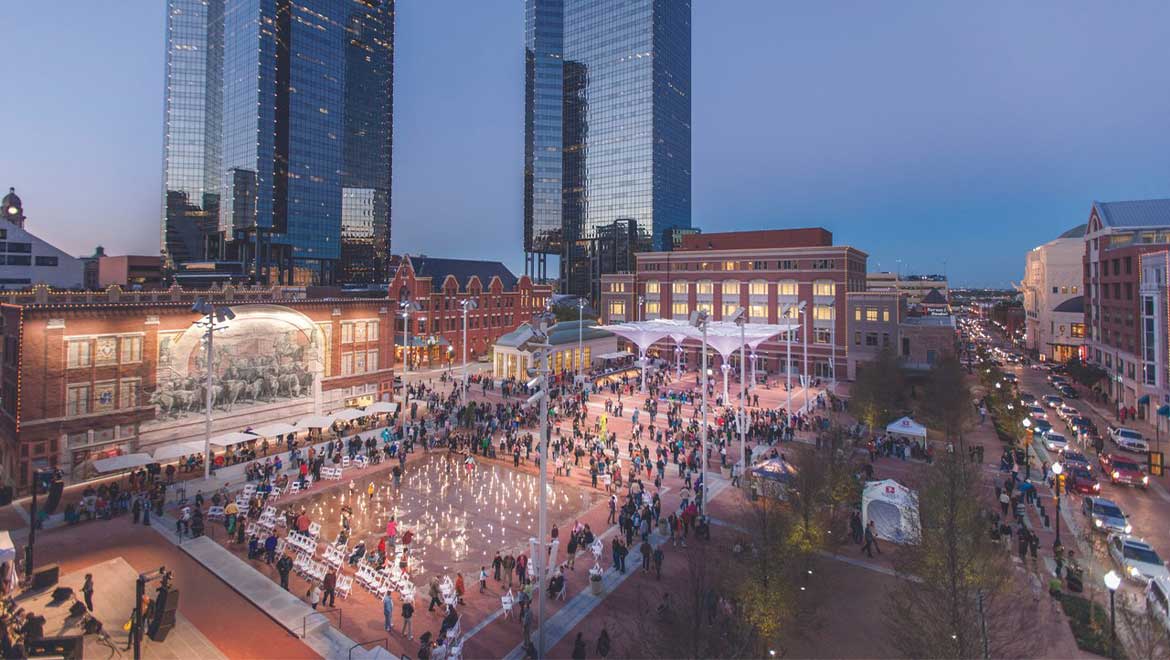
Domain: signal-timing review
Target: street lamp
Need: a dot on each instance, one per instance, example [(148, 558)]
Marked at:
[(740, 319), (580, 335), (1112, 582), (40, 477), (1058, 470), (699, 319), (406, 306), (540, 324), (1027, 443), (214, 317), (468, 305)]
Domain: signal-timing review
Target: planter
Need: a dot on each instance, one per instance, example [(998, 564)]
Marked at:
[(595, 587)]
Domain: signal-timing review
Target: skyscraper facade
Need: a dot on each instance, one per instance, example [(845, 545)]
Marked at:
[(296, 100), (616, 149)]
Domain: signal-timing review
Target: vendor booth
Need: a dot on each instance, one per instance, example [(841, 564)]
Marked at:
[(908, 428), (8, 577), (772, 477), (893, 508)]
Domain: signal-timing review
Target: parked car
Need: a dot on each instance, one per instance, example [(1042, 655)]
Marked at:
[(1027, 399), (1053, 401), (1068, 392), (1010, 378), (1158, 600), (1037, 412), (1121, 470), (1040, 427), (1074, 460), (1067, 412), (1081, 481), (1138, 560), (1128, 439), (1054, 441), (1105, 515)]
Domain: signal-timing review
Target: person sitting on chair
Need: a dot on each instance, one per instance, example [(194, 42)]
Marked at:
[(359, 551)]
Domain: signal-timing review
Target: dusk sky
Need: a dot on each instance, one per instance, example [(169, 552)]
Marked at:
[(920, 131)]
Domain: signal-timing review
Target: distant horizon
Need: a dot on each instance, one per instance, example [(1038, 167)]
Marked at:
[(950, 138)]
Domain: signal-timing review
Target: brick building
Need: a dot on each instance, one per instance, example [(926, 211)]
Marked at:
[(765, 272), (880, 319), (87, 375), (439, 286)]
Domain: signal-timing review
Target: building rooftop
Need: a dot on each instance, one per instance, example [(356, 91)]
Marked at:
[(1072, 306), (934, 297), (1075, 232), (765, 239), (462, 270), (1137, 213), (561, 333), (936, 321)]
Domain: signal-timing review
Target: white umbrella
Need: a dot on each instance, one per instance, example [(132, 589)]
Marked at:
[(178, 449), (316, 422), (350, 414), (274, 429), (233, 438), (381, 407)]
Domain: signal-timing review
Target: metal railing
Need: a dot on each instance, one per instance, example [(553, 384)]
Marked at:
[(382, 641), (322, 612)]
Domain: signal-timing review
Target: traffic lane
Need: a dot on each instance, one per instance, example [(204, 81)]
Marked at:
[(1145, 509)]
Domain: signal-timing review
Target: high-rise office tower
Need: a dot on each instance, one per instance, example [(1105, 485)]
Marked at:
[(607, 132), (278, 137)]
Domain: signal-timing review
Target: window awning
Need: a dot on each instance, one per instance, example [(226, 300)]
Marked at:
[(1164, 411), (1144, 400)]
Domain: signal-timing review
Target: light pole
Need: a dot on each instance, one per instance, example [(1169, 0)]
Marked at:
[(406, 305), (833, 342), (468, 305), (804, 339), (540, 325), (212, 314), (788, 361), (1027, 443), (699, 320), (1058, 470), (580, 335), (740, 319), (1112, 582)]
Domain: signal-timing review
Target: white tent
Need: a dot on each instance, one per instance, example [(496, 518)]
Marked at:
[(233, 438), (274, 429), (178, 449), (350, 414), (316, 422), (7, 549), (381, 407), (123, 462), (908, 428), (893, 508)]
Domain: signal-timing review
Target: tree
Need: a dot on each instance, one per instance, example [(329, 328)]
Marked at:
[(879, 391), (947, 401), (958, 598)]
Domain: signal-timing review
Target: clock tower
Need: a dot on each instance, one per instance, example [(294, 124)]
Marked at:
[(11, 208)]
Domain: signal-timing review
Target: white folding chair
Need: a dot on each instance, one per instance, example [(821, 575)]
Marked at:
[(294, 487), (344, 584), (344, 461)]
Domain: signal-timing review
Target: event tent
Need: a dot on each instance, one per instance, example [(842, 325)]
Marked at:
[(908, 428), (233, 438), (775, 469), (175, 450), (274, 429), (350, 414), (316, 422), (893, 508), (381, 407), (123, 462)]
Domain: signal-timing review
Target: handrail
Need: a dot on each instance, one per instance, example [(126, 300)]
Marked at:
[(305, 620), (383, 641)]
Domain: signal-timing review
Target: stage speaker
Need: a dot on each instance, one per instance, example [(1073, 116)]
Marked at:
[(165, 606), (62, 593), (46, 576), (69, 647), (56, 489)]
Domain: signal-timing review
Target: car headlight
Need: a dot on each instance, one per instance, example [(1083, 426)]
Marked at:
[(1128, 528), (1097, 522), (1145, 479), (1134, 572), (1096, 487), (1116, 474)]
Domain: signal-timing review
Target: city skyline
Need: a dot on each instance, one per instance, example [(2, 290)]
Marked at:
[(997, 141)]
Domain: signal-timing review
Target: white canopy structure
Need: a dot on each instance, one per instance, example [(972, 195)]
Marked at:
[(315, 422), (908, 428), (123, 462), (350, 414), (233, 438), (175, 450), (7, 549), (274, 429), (381, 407), (893, 508)]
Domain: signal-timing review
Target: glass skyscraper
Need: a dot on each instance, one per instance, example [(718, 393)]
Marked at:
[(607, 131), (297, 162)]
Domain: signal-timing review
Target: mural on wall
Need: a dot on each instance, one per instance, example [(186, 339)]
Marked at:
[(267, 354)]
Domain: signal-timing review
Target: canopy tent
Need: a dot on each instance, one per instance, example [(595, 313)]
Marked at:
[(274, 429), (350, 414), (7, 549), (381, 407), (616, 355), (233, 438), (908, 428), (175, 450), (316, 422), (893, 508), (123, 462), (775, 469)]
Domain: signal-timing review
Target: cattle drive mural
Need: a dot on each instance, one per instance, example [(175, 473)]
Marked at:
[(258, 360)]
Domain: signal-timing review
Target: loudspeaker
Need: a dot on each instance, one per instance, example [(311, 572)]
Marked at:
[(62, 593), (69, 647), (46, 576), (165, 606)]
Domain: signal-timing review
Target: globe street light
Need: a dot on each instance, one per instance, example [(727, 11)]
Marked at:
[(699, 320), (1027, 443), (1112, 582), (1058, 470), (468, 305), (214, 318)]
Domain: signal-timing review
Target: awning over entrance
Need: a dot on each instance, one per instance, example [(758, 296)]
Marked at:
[(1164, 410), (1144, 400)]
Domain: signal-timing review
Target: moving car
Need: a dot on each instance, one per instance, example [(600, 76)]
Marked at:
[(1158, 600), (1081, 424), (1053, 401), (1027, 399), (1054, 441), (1067, 412), (1074, 460), (1081, 481), (1067, 391), (1010, 378), (1138, 561), (1037, 412), (1121, 470), (1128, 439), (1041, 426), (1105, 515)]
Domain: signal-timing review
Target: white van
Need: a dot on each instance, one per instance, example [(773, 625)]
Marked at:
[(1158, 600)]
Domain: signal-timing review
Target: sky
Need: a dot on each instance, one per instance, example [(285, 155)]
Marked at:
[(934, 135)]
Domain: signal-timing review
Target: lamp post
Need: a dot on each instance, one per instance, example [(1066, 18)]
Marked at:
[(468, 305), (1027, 443), (1112, 582), (540, 325), (212, 315), (406, 305), (804, 338), (40, 478), (1058, 470), (788, 362), (580, 335), (740, 319), (699, 320)]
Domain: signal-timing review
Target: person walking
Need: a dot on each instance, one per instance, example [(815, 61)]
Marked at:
[(870, 540), (579, 647), (658, 557), (330, 584), (314, 595), (407, 613), (603, 643), (388, 612), (87, 591)]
